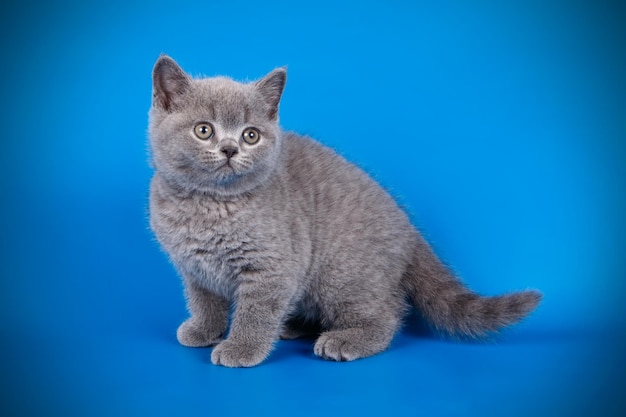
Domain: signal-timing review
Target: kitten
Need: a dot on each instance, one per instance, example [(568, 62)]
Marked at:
[(290, 234)]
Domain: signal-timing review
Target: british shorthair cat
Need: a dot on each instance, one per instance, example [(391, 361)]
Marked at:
[(288, 233)]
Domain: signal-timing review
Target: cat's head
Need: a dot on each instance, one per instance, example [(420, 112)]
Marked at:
[(214, 135)]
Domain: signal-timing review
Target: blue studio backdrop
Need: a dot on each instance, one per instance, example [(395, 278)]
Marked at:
[(500, 126)]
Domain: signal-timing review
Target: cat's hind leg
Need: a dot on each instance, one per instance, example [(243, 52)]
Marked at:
[(354, 342), (353, 336)]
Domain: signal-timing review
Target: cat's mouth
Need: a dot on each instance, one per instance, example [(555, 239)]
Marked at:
[(226, 169), (227, 165)]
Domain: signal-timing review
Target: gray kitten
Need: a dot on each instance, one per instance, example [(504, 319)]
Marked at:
[(290, 234)]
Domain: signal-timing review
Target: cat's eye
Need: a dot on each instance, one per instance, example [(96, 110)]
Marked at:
[(251, 136), (203, 131)]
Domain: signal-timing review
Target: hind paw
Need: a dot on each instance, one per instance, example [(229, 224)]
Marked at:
[(348, 345)]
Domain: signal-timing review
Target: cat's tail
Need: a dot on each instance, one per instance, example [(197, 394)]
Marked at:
[(452, 308)]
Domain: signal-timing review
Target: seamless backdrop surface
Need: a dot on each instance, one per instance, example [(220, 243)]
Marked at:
[(500, 126)]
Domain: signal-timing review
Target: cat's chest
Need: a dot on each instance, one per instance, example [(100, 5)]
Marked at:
[(209, 241)]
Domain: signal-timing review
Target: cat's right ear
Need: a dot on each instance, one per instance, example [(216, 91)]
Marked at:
[(271, 88), (169, 83)]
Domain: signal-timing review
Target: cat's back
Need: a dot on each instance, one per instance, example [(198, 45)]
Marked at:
[(320, 172), (318, 169), (344, 201)]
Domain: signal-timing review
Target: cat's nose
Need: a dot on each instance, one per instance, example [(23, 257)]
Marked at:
[(229, 151)]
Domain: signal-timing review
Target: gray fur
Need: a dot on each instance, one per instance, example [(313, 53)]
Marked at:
[(288, 233)]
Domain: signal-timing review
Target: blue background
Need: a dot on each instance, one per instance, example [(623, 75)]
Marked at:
[(500, 126)]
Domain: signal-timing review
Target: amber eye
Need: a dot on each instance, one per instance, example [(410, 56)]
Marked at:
[(203, 131), (251, 136)]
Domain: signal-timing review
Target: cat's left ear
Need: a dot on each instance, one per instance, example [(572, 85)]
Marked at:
[(271, 88)]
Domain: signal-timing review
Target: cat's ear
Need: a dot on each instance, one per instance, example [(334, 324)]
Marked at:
[(169, 82), (271, 88)]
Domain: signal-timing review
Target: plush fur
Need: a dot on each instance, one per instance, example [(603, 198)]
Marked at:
[(288, 233)]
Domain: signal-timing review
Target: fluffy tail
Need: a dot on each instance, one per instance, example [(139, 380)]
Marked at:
[(455, 310)]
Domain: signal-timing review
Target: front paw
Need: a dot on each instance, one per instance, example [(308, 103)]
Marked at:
[(192, 334), (237, 355)]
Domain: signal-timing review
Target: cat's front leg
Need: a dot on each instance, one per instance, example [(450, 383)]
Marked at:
[(262, 303), (209, 317)]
